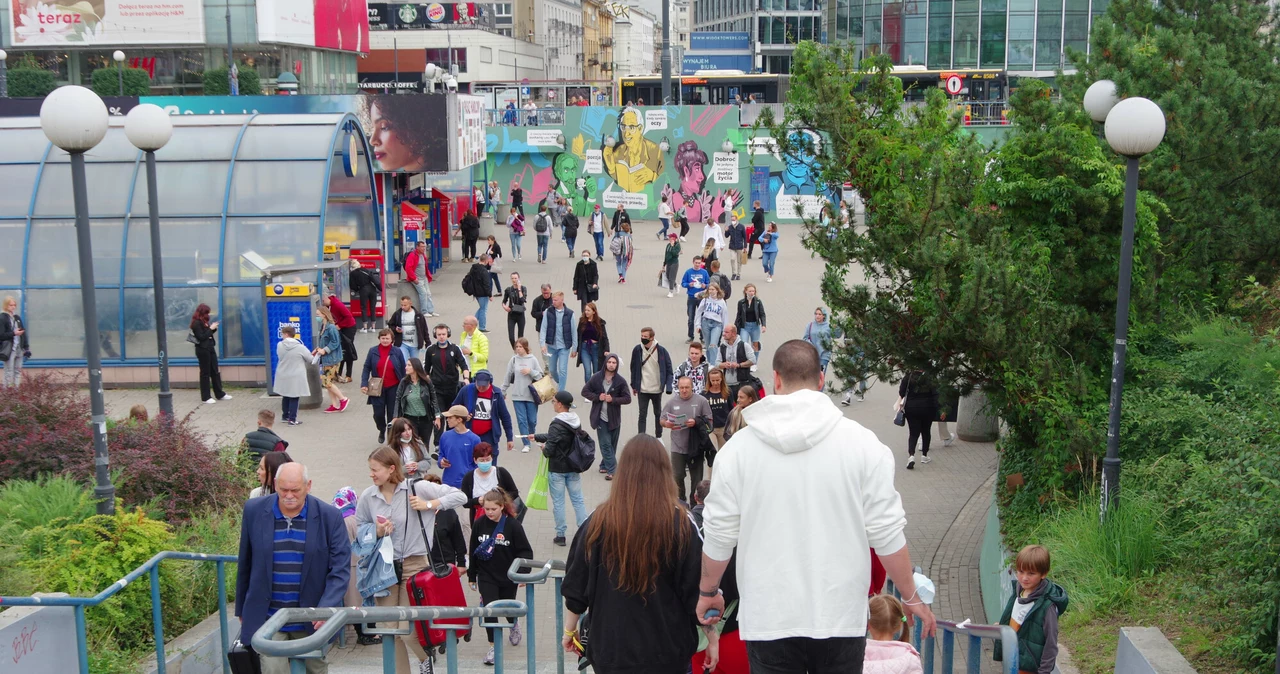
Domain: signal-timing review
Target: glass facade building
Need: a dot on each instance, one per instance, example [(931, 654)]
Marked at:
[(1021, 36), (277, 185)]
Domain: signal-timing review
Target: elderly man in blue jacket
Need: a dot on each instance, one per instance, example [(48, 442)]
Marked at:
[(294, 553), (488, 409)]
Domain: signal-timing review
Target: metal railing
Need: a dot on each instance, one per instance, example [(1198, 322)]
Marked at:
[(522, 117), (985, 113), (152, 568), (552, 568), (974, 635)]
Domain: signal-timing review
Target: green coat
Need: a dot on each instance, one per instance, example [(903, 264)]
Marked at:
[(1032, 635)]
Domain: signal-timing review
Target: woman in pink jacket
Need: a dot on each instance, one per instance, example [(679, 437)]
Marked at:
[(889, 649)]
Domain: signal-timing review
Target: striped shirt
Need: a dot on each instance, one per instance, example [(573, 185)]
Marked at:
[(286, 564)]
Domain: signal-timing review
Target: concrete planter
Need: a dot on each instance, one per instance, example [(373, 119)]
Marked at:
[(975, 422)]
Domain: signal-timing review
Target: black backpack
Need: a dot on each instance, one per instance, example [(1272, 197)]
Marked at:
[(583, 454), (540, 223)]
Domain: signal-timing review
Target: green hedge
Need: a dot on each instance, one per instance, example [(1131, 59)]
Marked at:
[(106, 82), (31, 82), (216, 84)]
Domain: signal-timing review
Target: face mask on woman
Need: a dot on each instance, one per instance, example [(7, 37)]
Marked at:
[(406, 438), (484, 466)]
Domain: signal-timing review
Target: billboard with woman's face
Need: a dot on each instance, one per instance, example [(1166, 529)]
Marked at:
[(406, 133)]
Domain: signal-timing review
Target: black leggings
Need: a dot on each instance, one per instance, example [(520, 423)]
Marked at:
[(368, 297), (490, 593), (209, 374), (918, 427), (348, 336), (469, 247), (515, 326), (654, 399)]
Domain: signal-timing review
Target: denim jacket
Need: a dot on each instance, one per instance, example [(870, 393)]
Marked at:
[(374, 575)]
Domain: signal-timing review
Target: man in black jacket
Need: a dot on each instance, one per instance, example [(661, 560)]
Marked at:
[(470, 230), (540, 304), (620, 216), (651, 376), (448, 370), (264, 439), (364, 288), (557, 443), (476, 284), (608, 392), (757, 228)]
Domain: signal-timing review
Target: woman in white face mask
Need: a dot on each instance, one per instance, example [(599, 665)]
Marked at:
[(412, 450), (484, 478)]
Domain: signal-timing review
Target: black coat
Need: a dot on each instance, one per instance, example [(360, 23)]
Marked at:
[(620, 217), (204, 336), (476, 283), (427, 395), (557, 443), (361, 277), (664, 368), (419, 322), (539, 307), (921, 395), (446, 376), (10, 325), (449, 544), (620, 391), (602, 342), (585, 276), (516, 300), (570, 226), (263, 440), (469, 227), (757, 222), (741, 320)]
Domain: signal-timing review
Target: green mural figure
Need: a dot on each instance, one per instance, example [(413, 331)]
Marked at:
[(636, 161), (579, 190)]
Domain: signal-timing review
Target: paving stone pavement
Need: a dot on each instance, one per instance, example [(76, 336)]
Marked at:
[(945, 500)]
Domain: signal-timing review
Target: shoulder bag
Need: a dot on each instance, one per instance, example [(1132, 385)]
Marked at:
[(544, 389), (375, 383), (485, 551)]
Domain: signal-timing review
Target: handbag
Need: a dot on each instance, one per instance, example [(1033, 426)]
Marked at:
[(191, 337), (375, 383), (520, 508), (485, 550), (901, 418), (541, 487), (242, 658), (544, 389)]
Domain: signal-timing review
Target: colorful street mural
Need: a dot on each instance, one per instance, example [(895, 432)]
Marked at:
[(613, 156)]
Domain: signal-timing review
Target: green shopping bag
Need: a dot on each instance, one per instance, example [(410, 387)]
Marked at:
[(541, 487)]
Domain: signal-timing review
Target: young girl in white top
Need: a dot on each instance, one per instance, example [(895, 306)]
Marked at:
[(889, 650)]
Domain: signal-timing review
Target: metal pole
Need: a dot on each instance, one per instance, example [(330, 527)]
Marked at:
[(233, 79), (120, 76), (103, 492), (666, 52), (157, 276), (1111, 464), (4, 78)]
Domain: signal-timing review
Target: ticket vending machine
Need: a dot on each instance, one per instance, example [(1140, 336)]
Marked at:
[(291, 304), (368, 254)]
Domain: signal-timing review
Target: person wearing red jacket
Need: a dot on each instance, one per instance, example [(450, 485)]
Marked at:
[(417, 271), (346, 324)]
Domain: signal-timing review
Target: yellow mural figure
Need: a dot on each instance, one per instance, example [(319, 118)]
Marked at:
[(636, 161)]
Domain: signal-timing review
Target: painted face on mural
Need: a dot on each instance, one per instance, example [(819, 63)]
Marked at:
[(632, 128), (692, 178), (636, 161), (566, 167)]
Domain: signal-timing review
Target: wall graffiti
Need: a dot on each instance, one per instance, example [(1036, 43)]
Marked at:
[(613, 156)]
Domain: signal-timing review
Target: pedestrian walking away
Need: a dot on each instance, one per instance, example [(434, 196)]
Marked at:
[(477, 284), (889, 649), (716, 278), (494, 251), (418, 270), (557, 443), (469, 227), (593, 341), (292, 361), (757, 228), (16, 349), (365, 288), (294, 553), (608, 392), (331, 353), (542, 231), (522, 370), (651, 376), (751, 320), (515, 299), (918, 400), (203, 330), (694, 282), (819, 626), (346, 323), (769, 251), (263, 440), (571, 225), (586, 280), (559, 339), (633, 568), (447, 368), (417, 401), (681, 415), (383, 370), (670, 263), (497, 540)]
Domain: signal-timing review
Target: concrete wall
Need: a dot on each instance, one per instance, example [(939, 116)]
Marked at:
[(995, 575), (38, 639), (1144, 650)]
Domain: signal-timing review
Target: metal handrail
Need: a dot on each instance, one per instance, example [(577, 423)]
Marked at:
[(975, 634), (541, 571), (151, 567)]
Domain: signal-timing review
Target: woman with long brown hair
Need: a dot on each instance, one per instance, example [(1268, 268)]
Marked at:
[(593, 341), (207, 355), (635, 564)]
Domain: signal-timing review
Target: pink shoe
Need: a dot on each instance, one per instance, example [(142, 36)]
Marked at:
[(342, 406), (331, 409)]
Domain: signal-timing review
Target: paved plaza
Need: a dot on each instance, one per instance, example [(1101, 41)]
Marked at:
[(946, 501)]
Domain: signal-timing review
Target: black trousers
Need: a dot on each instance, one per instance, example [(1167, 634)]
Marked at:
[(444, 400), (422, 425), (515, 326), (469, 247), (801, 655), (919, 425), (684, 228), (691, 308), (384, 407), (490, 592), (751, 248), (368, 298), (654, 399), (208, 359), (348, 337)]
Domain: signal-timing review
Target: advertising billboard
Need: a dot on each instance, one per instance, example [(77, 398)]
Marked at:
[(328, 24), (472, 144), (419, 16), (692, 63), (106, 22), (719, 41)]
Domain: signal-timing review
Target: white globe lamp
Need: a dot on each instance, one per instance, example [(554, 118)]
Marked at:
[(74, 118), (148, 127), (1099, 98), (1135, 127)]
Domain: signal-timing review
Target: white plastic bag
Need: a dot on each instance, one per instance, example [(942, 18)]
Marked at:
[(924, 588)]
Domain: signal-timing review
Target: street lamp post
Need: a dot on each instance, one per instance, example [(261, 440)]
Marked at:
[(75, 119), (4, 74), (148, 127), (118, 57), (1133, 127)]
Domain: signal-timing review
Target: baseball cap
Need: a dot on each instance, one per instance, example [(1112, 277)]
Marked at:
[(459, 411), (565, 398), (484, 375), (673, 235)]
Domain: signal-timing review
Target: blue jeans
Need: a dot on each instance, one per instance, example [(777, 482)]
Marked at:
[(769, 259), (666, 224), (558, 364), (599, 237), (424, 297), (711, 340), (621, 263), (542, 246), (289, 408), (590, 351), (691, 308), (608, 447), (526, 417), (515, 244), (752, 332), (483, 309), (557, 483), (571, 242)]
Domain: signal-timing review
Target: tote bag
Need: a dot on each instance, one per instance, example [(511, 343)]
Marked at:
[(541, 487)]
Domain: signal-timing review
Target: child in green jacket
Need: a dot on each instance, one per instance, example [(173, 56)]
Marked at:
[(1033, 612)]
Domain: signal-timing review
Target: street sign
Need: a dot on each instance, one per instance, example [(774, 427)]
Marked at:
[(954, 84)]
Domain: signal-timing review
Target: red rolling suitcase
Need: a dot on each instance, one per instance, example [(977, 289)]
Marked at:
[(438, 585)]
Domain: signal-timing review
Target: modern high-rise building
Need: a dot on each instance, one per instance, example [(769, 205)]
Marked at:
[(1025, 37), (775, 25)]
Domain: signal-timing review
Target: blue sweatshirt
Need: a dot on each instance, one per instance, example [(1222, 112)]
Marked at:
[(457, 449), (691, 274)]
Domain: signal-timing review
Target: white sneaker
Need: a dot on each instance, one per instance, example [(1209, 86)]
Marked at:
[(769, 280), (949, 441), (848, 398), (210, 401), (911, 461), (488, 659), (524, 450), (515, 636), (225, 396), (925, 459), (862, 397), (670, 295)]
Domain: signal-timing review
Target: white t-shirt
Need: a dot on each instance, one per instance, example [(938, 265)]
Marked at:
[(409, 327), (484, 483), (664, 211)]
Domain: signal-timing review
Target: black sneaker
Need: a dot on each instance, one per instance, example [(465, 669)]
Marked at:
[(559, 540), (382, 437)]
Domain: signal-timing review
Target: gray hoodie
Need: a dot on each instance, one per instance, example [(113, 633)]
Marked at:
[(516, 385)]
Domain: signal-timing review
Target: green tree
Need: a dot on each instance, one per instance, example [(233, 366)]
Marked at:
[(1211, 66), (982, 267), (106, 82), (31, 82), (217, 84)]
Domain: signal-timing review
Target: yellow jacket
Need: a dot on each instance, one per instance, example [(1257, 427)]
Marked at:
[(479, 346)]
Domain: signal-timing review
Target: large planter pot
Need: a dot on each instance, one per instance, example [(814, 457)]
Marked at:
[(975, 423)]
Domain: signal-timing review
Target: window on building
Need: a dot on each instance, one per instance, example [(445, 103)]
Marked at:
[(1049, 34), (993, 34), (440, 57)]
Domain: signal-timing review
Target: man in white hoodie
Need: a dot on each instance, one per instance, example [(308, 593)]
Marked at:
[(803, 478)]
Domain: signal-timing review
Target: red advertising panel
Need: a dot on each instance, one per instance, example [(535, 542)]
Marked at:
[(329, 24)]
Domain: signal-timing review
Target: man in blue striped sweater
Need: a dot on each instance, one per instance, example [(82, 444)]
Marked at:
[(294, 553)]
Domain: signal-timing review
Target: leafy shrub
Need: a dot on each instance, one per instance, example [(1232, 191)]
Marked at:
[(217, 84), (27, 504), (30, 82), (106, 82), (35, 438)]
